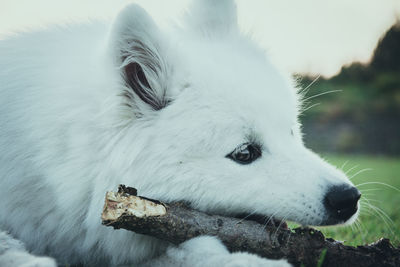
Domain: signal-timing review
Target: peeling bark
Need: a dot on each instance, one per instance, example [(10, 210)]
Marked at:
[(176, 223)]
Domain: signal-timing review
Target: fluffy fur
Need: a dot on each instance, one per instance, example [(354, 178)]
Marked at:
[(88, 107), (13, 253)]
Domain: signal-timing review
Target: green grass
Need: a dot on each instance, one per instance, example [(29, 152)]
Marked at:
[(372, 223)]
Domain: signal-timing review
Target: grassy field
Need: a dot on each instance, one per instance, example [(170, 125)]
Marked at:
[(380, 204)]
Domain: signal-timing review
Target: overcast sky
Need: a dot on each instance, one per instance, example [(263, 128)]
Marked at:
[(316, 36)]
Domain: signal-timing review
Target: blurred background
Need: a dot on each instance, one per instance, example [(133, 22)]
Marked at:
[(354, 121), (358, 110), (346, 54)]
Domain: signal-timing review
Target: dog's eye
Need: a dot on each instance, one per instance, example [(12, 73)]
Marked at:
[(245, 153)]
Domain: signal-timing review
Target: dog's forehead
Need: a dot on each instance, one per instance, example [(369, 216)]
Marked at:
[(236, 78)]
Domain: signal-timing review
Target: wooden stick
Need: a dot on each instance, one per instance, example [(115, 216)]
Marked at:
[(176, 223)]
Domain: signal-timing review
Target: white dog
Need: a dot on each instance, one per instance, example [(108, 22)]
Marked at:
[(195, 112)]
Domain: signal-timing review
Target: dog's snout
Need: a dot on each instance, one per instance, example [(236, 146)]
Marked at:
[(341, 201)]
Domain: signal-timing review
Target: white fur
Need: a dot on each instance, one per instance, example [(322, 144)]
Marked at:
[(13, 253), (68, 134)]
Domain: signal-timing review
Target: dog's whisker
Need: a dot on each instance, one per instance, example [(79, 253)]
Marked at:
[(368, 195), (379, 183), (382, 215), (359, 172), (359, 229), (344, 165), (288, 239), (265, 223), (365, 205), (272, 216), (365, 209), (280, 224), (376, 214), (354, 226), (374, 200), (321, 94), (306, 89), (247, 216), (368, 190), (309, 107), (267, 219), (349, 170)]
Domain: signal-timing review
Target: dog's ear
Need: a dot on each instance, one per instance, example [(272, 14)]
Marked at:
[(213, 17), (138, 52)]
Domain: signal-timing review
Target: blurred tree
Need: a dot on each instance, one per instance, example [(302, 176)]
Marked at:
[(387, 54), (365, 116)]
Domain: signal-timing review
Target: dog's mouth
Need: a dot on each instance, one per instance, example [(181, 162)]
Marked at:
[(264, 220)]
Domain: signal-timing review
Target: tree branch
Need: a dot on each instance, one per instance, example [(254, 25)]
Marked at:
[(176, 223)]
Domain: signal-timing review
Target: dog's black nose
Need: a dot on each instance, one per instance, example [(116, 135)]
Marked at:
[(341, 201)]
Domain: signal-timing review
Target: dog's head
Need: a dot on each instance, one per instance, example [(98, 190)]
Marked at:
[(211, 121)]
